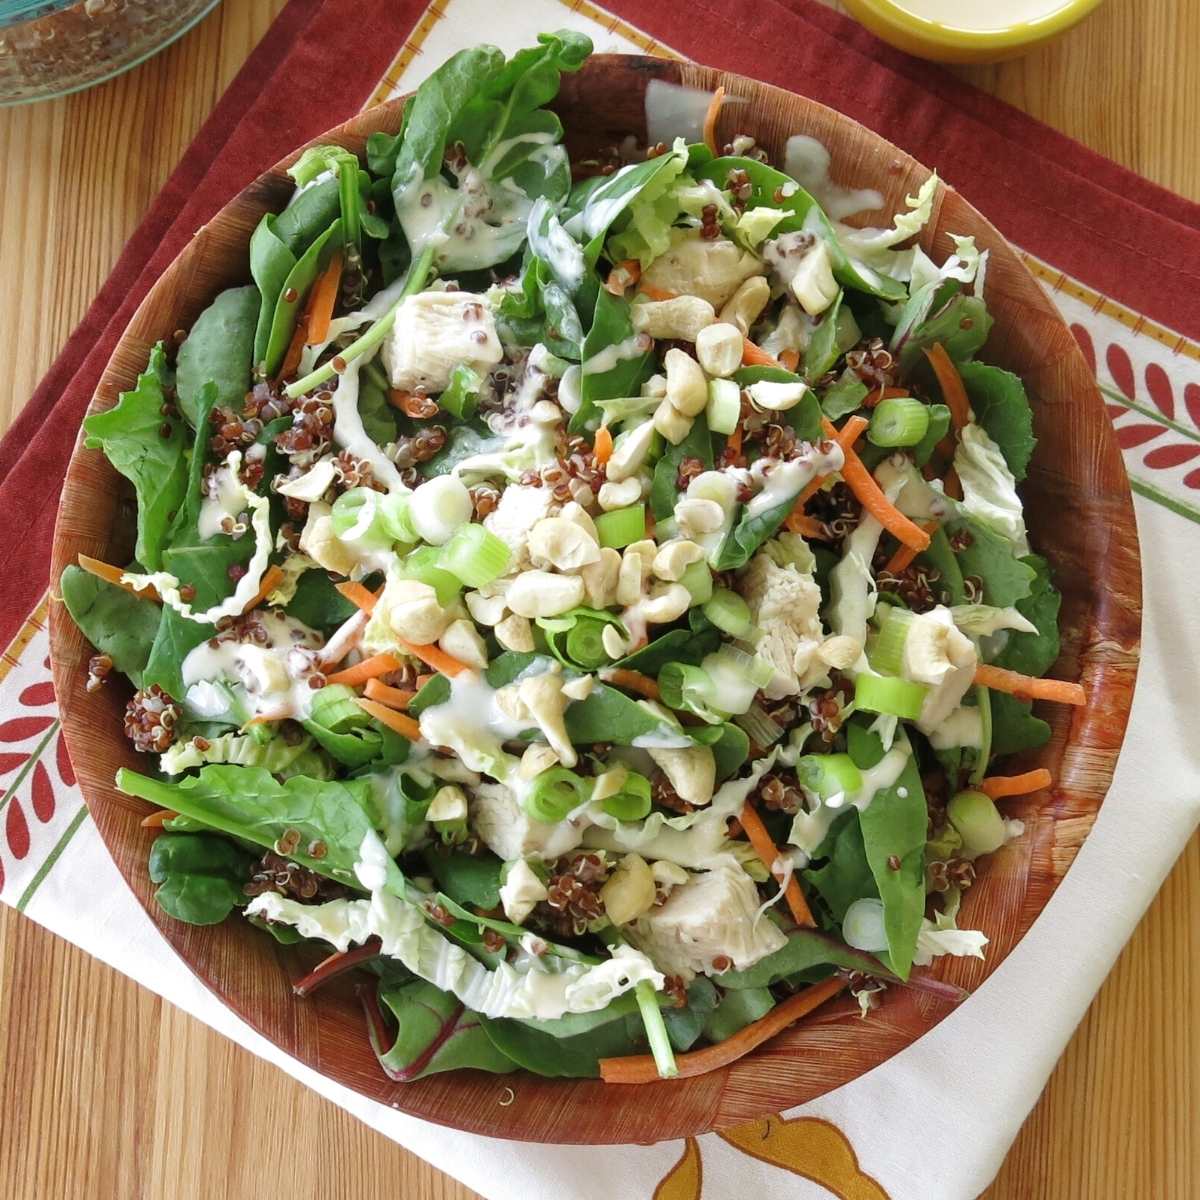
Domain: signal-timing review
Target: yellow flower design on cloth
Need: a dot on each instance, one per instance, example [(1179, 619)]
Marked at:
[(806, 1146)]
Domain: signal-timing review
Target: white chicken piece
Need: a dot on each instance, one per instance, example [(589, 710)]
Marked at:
[(695, 267), (499, 821), (783, 604), (433, 333), (521, 507), (802, 262), (709, 918)]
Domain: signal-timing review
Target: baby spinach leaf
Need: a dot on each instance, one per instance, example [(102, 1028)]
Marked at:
[(846, 874), (730, 746), (291, 297), (893, 832), (434, 1032), (309, 214), (435, 691), (149, 449), (200, 876), (377, 415), (738, 1008), (805, 416), (845, 395), (824, 346), (464, 442), (219, 348), (961, 324), (989, 556), (749, 532), (677, 645), (468, 879), (571, 1057), (1014, 727), (805, 949), (612, 326), (318, 603), (504, 668), (175, 638), (939, 426), (684, 1025), (1001, 406), (664, 491), (599, 206), (607, 715), (271, 261), (1034, 653), (116, 623)]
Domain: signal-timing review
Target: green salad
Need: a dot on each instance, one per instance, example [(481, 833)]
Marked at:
[(588, 598)]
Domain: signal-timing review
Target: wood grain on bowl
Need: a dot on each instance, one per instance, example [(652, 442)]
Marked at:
[(1081, 518)]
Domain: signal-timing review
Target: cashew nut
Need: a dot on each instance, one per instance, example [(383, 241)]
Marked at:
[(636, 565), (840, 651), (813, 283), (670, 422), (719, 349), (667, 604), (515, 633), (312, 485), (487, 610), (600, 578), (629, 891), (461, 640), (746, 304), (655, 386), (687, 389), (543, 696), (536, 759), (695, 516), (575, 512), (449, 803), (615, 646), (675, 557), (413, 611), (620, 495), (563, 544), (579, 688), (681, 317), (692, 771), (542, 594), (630, 452), (777, 397)]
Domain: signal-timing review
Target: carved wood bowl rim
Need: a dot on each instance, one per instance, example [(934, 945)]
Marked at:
[(1081, 516)]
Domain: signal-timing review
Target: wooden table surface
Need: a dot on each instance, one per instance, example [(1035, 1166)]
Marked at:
[(107, 1091)]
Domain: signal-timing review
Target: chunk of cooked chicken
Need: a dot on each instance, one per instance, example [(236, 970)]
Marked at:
[(712, 270), (500, 822), (783, 604), (709, 918), (433, 333), (521, 507)]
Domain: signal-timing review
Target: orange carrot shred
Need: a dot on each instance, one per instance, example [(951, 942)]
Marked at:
[(291, 359), (324, 297), (156, 819), (766, 850), (111, 574), (756, 356), (641, 1068), (710, 119), (789, 359), (438, 659), (949, 380), (869, 494), (623, 276), (272, 578), (883, 393), (422, 680), (655, 293), (902, 559), (361, 597), (391, 696), (1029, 686), (809, 527), (369, 668), (997, 786), (845, 437), (633, 681), (602, 445), (403, 725)]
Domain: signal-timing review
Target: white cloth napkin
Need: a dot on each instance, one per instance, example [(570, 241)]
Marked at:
[(921, 1125)]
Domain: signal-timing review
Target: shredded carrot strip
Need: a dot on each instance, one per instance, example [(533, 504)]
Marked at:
[(789, 359), (766, 849), (756, 356), (391, 696), (1029, 686), (623, 276), (111, 574), (1016, 785), (902, 559), (272, 578), (156, 820), (949, 380), (369, 668), (398, 722), (806, 526), (845, 437), (361, 597), (654, 293), (710, 119), (883, 393), (291, 360), (439, 660), (633, 681), (640, 1068), (602, 445), (870, 496), (324, 296)]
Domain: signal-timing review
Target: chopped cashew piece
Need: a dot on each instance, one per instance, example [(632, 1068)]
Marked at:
[(687, 389), (671, 423), (414, 612), (747, 303), (449, 803), (666, 605), (673, 558), (537, 758), (694, 515), (615, 646), (515, 633), (619, 495), (572, 511), (777, 397), (719, 349), (461, 640), (562, 543), (655, 386), (609, 783), (629, 891), (521, 891), (629, 453), (322, 545), (600, 578), (487, 610), (840, 651), (542, 696), (579, 688), (542, 594), (636, 566), (682, 317), (313, 484), (692, 771), (668, 874)]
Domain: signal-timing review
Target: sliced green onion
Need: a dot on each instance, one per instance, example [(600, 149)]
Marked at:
[(886, 694), (395, 518), (898, 421), (656, 1030), (690, 689), (699, 582), (424, 564), (759, 727), (724, 406), (462, 394), (729, 613), (585, 644), (355, 516), (978, 821), (553, 794), (622, 527), (632, 802), (475, 555), (863, 927), (333, 708), (827, 775), (887, 653)]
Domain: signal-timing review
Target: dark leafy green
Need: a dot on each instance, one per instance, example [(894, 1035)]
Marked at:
[(611, 325), (469, 879), (685, 1025), (200, 876), (1035, 653), (738, 1008), (114, 621), (318, 603), (806, 950), (1001, 406), (664, 491), (676, 645), (1014, 727), (846, 874), (573, 1056), (219, 348), (989, 556), (845, 395), (290, 300)]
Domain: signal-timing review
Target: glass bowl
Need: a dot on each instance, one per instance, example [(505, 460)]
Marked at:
[(52, 47)]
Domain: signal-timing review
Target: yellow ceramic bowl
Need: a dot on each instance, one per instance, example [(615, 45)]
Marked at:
[(969, 30)]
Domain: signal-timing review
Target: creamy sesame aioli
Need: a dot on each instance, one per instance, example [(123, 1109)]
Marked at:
[(612, 356), (807, 160), (348, 431), (785, 480)]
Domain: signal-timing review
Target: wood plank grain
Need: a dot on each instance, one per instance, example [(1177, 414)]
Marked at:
[(106, 1090)]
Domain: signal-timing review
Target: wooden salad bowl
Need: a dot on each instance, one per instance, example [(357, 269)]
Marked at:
[(1081, 518)]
